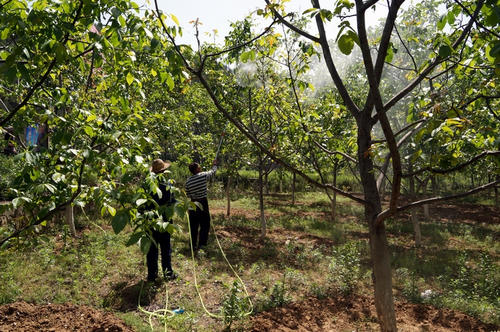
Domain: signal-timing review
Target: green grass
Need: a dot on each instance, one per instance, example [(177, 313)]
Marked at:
[(458, 262)]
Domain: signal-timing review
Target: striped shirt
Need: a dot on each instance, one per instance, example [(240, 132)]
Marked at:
[(196, 185)]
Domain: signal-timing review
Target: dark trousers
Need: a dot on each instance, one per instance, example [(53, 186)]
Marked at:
[(162, 240), (199, 221)]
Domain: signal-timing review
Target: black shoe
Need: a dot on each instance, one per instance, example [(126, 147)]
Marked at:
[(170, 275)]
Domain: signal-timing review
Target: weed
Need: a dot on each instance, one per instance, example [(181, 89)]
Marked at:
[(409, 283), (345, 267), (234, 305), (276, 297), (319, 291), (295, 279)]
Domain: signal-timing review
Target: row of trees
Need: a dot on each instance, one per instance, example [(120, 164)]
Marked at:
[(418, 101)]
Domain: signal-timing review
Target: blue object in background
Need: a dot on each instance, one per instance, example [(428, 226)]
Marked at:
[(178, 311), (32, 135)]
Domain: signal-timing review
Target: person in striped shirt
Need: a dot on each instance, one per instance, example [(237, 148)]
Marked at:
[(196, 190)]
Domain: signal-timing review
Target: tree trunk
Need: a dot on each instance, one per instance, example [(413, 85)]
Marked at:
[(70, 219), (266, 182), (497, 200), (261, 198), (281, 180), (434, 185), (427, 215), (379, 249), (416, 228), (293, 188), (414, 219), (228, 196), (334, 198)]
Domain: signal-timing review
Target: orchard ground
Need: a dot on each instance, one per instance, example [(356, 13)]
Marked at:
[(309, 274)]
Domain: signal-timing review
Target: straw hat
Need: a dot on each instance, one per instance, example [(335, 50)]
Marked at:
[(159, 166)]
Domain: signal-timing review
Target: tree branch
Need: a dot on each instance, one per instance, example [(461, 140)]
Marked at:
[(456, 168), (345, 155), (266, 30), (479, 24), (291, 26), (327, 55), (434, 63), (374, 97), (387, 213)]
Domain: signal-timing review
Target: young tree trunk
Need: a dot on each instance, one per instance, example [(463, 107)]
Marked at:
[(416, 228), (281, 180), (497, 200), (414, 219), (427, 215), (334, 198), (266, 182), (379, 249), (70, 219), (228, 196), (293, 188), (261, 198)]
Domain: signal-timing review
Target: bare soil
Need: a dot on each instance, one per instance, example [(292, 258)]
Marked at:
[(22, 316), (357, 313)]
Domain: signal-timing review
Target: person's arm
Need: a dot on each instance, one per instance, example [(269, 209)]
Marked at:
[(209, 174)]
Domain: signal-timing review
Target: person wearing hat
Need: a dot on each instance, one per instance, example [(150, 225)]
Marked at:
[(196, 189), (161, 239)]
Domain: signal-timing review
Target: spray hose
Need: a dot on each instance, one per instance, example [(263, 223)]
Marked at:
[(230, 266)]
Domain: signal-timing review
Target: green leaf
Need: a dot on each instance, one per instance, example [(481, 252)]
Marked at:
[(170, 81), (154, 43), (89, 131), (18, 201), (111, 210), (58, 177), (444, 51), (145, 244), (180, 210), (441, 23), (174, 18), (390, 53), (495, 49), (346, 44), (119, 221), (249, 55), (134, 238), (130, 78), (140, 201)]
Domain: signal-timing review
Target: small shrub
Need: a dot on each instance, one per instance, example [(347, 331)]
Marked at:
[(318, 291), (345, 267), (277, 297), (295, 279), (234, 306), (409, 283)]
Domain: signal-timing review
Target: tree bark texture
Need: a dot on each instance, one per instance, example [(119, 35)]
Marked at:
[(228, 196), (379, 249), (70, 219), (263, 225)]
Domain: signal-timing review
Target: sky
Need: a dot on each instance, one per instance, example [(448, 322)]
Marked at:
[(218, 14)]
